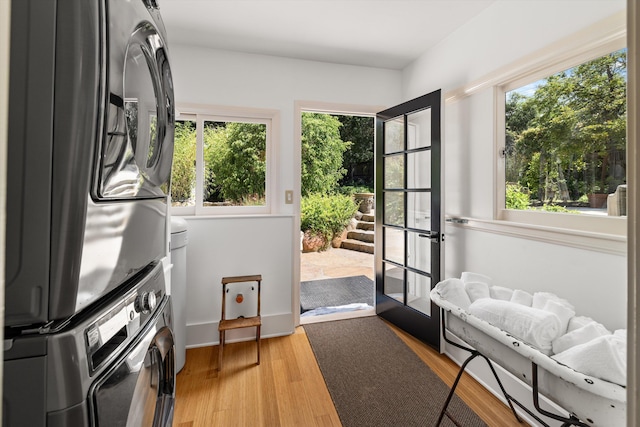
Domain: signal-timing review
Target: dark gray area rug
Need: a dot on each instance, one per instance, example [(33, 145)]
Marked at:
[(375, 379), (335, 292)]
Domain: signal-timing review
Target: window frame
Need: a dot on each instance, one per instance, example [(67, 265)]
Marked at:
[(203, 113), (559, 59)]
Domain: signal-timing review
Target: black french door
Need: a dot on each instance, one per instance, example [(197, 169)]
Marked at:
[(408, 219)]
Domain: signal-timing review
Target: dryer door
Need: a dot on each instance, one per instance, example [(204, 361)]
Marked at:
[(139, 389), (138, 147)]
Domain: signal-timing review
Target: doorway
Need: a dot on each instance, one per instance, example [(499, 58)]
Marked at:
[(337, 281)]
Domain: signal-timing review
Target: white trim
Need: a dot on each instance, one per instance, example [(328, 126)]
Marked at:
[(226, 217), (593, 241), (633, 208), (206, 333), (338, 316), (201, 113)]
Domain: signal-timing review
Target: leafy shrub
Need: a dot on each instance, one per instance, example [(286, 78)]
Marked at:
[(183, 172), (326, 215), (322, 150), (350, 190), (516, 198), (558, 208), (235, 155)]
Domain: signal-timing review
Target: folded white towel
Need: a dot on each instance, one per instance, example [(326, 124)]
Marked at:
[(500, 292), (577, 322), (453, 291), (536, 327), (579, 336), (468, 276), (563, 312), (604, 357), (541, 298), (522, 297), (477, 290), (622, 333)]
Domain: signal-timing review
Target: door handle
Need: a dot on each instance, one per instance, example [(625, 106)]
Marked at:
[(434, 236)]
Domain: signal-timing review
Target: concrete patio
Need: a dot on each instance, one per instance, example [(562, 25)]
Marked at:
[(335, 262)]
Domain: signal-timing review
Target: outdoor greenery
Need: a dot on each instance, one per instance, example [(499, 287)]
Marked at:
[(235, 167), (326, 215), (322, 154), (358, 159), (183, 173), (326, 206), (516, 197), (235, 162), (568, 138)]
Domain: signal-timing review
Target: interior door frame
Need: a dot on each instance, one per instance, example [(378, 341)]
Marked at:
[(420, 325)]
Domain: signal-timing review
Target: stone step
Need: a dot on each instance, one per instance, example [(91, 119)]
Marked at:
[(357, 245), (362, 235), (368, 217), (369, 226)]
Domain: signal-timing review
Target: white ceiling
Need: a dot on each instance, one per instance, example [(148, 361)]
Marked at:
[(375, 33)]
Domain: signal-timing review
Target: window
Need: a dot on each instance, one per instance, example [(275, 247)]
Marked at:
[(222, 161), (563, 146)]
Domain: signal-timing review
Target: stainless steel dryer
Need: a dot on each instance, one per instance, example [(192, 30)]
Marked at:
[(112, 365)]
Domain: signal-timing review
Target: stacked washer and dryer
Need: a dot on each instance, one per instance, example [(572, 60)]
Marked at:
[(88, 339)]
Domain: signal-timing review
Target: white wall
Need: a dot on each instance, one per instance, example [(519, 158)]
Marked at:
[(217, 77)]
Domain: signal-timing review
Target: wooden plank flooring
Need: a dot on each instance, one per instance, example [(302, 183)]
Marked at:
[(288, 389)]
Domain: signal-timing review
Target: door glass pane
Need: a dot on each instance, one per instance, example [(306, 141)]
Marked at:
[(394, 282), (419, 169), (394, 245), (419, 129), (419, 251), (419, 210), (418, 288), (394, 208), (394, 135), (394, 171)]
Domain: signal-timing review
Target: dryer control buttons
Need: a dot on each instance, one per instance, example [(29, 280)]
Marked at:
[(146, 302)]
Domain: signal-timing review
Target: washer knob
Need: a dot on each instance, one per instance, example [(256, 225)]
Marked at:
[(146, 302)]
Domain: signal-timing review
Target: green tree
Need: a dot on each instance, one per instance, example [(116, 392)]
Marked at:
[(569, 137), (183, 171), (599, 99), (358, 159), (235, 158), (519, 111), (322, 153)]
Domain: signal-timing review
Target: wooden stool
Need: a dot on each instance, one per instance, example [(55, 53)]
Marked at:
[(241, 322)]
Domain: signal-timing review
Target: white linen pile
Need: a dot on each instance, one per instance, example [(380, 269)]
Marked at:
[(536, 327), (544, 321)]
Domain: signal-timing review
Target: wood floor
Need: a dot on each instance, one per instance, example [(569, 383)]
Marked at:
[(287, 389)]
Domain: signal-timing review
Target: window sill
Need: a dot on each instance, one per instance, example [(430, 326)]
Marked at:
[(233, 216), (601, 242)]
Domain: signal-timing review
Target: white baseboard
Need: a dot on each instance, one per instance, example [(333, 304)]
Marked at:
[(206, 334)]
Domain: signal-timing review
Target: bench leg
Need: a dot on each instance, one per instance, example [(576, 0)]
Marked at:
[(220, 350), (258, 342)]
